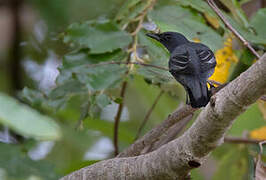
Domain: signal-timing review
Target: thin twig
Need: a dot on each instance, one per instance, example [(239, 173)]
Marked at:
[(145, 120), (118, 116), (226, 22), (237, 140)]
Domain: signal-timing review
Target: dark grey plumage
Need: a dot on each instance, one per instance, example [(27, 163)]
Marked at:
[(191, 64)]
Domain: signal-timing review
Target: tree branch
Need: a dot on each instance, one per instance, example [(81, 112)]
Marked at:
[(175, 159), (171, 133), (239, 140), (139, 147), (219, 13)]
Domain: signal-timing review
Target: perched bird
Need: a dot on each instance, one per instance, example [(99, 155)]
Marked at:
[(191, 64)]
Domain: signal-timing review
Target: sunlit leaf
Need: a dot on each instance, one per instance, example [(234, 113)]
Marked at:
[(26, 121)]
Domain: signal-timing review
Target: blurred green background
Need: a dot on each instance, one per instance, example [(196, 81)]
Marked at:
[(57, 111)]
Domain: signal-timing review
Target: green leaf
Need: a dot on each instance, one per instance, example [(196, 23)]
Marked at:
[(68, 88), (258, 22), (184, 21), (27, 121), (246, 33), (82, 57), (100, 37), (78, 60), (124, 11), (103, 100), (17, 165), (158, 56), (101, 77), (33, 97), (199, 5)]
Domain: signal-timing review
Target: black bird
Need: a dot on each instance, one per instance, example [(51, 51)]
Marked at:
[(191, 64)]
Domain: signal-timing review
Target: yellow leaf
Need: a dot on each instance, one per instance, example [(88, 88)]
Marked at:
[(259, 133), (224, 57)]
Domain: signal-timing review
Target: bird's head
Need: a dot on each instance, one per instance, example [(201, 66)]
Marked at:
[(169, 39)]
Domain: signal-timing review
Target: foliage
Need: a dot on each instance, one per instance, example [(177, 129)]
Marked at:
[(101, 37), (26, 121)]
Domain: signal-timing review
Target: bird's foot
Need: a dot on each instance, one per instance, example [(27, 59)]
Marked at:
[(213, 90)]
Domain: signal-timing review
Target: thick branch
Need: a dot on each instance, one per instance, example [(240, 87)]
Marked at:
[(171, 133), (175, 159), (152, 136)]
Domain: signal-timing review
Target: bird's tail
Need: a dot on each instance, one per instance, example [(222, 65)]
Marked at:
[(198, 93)]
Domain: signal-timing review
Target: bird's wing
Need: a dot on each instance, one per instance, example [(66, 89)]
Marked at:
[(206, 59), (179, 62)]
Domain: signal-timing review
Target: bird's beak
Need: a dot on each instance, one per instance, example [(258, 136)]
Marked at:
[(153, 36)]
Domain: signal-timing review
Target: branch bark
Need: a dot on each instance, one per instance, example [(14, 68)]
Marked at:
[(145, 142), (175, 159)]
